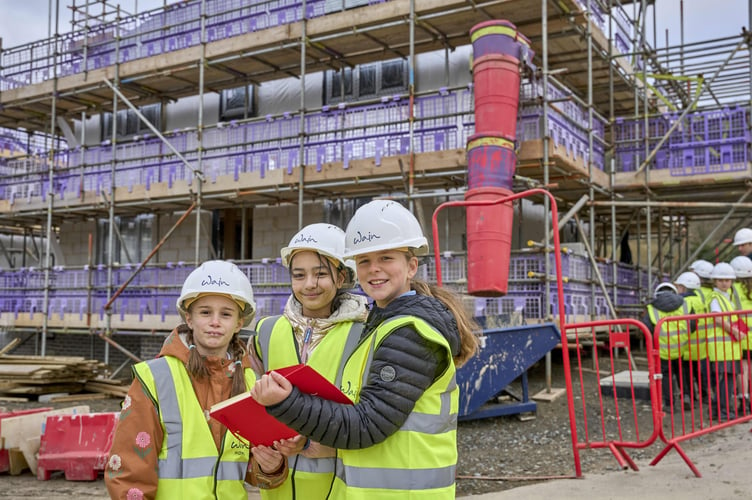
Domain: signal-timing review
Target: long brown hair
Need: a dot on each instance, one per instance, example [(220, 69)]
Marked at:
[(197, 368), (465, 323), (747, 284)]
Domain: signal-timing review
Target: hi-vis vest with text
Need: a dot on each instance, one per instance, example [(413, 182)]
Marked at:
[(417, 461), (309, 478), (697, 345), (672, 338), (742, 303), (189, 464), (721, 346)]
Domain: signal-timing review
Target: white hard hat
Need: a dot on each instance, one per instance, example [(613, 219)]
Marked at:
[(219, 277), (701, 268), (723, 271), (322, 238), (742, 236), (383, 225), (690, 280), (663, 288), (742, 266)]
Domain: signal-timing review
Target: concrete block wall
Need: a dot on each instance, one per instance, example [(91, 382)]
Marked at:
[(182, 243), (273, 227), (74, 242)]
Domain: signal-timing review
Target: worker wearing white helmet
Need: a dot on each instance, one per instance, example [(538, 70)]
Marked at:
[(740, 291), (320, 326), (742, 296), (687, 282), (724, 335), (694, 369), (743, 242), (671, 337), (402, 379), (703, 268), (164, 426)]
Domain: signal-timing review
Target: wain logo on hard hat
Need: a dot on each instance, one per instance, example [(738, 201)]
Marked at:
[(304, 239), (211, 281), (360, 238)]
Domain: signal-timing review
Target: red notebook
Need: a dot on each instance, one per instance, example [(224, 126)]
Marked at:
[(246, 418)]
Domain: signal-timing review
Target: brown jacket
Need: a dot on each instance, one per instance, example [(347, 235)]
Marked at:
[(128, 468)]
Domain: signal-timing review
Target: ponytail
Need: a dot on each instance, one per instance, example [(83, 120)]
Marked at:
[(465, 323)]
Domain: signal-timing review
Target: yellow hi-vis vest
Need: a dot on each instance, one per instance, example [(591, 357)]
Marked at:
[(420, 459), (189, 464), (673, 335), (697, 345), (721, 346), (309, 478), (742, 303)]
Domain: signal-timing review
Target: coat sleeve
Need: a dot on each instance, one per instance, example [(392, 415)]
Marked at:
[(132, 464), (403, 367)]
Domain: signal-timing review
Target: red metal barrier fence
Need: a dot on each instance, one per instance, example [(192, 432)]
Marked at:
[(705, 373), (709, 366), (608, 409), (559, 285)]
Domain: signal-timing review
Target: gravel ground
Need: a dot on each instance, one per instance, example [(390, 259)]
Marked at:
[(495, 453)]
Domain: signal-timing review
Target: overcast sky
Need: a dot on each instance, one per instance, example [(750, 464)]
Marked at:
[(24, 21)]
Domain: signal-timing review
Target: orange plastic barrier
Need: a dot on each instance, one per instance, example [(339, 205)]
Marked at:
[(77, 445)]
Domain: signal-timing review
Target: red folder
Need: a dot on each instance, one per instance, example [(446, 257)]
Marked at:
[(247, 419)]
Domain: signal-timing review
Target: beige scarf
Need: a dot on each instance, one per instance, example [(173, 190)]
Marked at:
[(352, 308)]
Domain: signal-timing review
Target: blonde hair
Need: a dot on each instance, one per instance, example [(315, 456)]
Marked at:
[(465, 323)]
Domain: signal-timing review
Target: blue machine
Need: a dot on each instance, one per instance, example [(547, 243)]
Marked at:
[(506, 356)]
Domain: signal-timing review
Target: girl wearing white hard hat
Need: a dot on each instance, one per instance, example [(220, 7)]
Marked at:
[(724, 346), (164, 431), (320, 326), (742, 295), (694, 364), (401, 434)]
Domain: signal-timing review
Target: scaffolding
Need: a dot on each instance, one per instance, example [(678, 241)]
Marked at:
[(621, 128)]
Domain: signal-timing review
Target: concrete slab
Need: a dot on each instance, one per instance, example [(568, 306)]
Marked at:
[(624, 381)]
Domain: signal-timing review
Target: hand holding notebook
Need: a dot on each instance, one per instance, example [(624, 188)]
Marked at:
[(246, 418)]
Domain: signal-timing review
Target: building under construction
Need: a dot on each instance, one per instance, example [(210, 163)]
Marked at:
[(140, 143)]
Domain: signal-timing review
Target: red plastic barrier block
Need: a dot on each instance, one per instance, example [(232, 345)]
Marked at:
[(77, 445)]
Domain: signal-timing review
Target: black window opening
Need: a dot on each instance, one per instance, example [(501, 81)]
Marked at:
[(366, 81), (130, 125), (237, 103)]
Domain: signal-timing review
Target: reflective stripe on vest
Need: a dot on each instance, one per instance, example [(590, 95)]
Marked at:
[(697, 344), (672, 337), (721, 346), (419, 460), (397, 479), (276, 343), (182, 417)]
